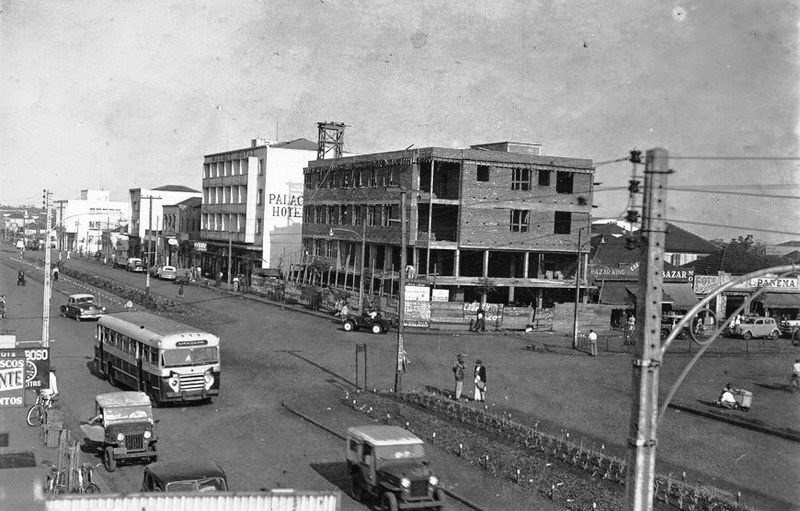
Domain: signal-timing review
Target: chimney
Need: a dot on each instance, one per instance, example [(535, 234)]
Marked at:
[(257, 142)]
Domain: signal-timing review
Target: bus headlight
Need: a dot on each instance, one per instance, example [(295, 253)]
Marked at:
[(209, 379), (405, 483), (147, 435), (120, 437), (433, 480), (174, 383)]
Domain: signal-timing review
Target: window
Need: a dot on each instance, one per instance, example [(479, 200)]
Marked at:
[(519, 220), (563, 223), (260, 197), (261, 167), (564, 182), (544, 178), (520, 179), (258, 226), (483, 173)]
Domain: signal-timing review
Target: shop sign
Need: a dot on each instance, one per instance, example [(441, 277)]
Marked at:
[(37, 368), (12, 378), (705, 284), (418, 293), (441, 295), (200, 246), (173, 242), (773, 283)]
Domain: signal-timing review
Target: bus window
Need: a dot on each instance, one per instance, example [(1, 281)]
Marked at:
[(190, 356)]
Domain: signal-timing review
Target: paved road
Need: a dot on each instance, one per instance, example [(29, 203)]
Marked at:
[(280, 353)]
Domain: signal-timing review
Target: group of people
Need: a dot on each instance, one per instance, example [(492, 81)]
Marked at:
[(479, 378)]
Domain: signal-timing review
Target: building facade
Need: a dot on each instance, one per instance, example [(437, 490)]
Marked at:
[(80, 224), (147, 218), (482, 223), (181, 233), (252, 207)]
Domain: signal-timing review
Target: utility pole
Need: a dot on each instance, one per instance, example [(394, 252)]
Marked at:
[(642, 438), (363, 254), (230, 257), (577, 294), (401, 312), (149, 246), (47, 290)]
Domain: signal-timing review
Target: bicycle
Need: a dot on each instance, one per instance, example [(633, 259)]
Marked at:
[(85, 479), (55, 482), (37, 413)]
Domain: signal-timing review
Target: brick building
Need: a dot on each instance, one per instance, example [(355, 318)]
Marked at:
[(481, 221)]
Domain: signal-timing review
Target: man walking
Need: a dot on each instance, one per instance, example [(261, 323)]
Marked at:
[(480, 381), (458, 374)]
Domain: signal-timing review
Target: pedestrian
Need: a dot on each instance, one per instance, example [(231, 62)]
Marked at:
[(236, 283), (180, 292), (593, 343), (69, 254), (55, 272), (480, 381), (794, 383), (458, 374), (480, 320)]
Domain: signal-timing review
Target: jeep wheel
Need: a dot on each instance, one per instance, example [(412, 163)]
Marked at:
[(438, 496), (747, 335), (377, 328), (349, 326), (389, 502), (108, 459), (356, 490)]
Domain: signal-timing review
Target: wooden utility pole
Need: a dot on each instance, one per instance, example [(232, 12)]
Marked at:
[(149, 246), (47, 290), (641, 459), (577, 293), (401, 308)]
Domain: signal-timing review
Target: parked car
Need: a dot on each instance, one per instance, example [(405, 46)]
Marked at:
[(668, 323), (123, 427), (82, 306), (388, 463), (183, 276), (167, 272), (375, 323), (791, 328), (184, 476), (756, 326), (134, 264)]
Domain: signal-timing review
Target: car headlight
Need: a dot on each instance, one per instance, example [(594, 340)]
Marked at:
[(433, 480), (120, 437), (147, 434), (174, 383), (405, 482)]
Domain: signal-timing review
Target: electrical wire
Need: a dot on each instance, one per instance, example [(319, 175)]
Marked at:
[(738, 227), (741, 194), (764, 158)]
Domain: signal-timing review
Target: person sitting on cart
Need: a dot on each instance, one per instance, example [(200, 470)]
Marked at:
[(726, 399)]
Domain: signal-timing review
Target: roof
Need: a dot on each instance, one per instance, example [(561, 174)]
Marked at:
[(144, 322), (81, 295), (676, 239), (730, 261), (793, 243), (302, 144), (191, 202), (384, 435), (176, 188), (183, 469), (127, 398)]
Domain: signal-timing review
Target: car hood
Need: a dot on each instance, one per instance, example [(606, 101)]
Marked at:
[(413, 470)]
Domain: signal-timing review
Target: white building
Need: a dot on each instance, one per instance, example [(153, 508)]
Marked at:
[(147, 215), (253, 201), (80, 223)]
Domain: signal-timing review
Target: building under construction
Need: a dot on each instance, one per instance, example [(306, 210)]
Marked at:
[(498, 220)]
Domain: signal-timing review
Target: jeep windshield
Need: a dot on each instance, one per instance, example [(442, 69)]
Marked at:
[(201, 485), (400, 452), (190, 356), (126, 413)]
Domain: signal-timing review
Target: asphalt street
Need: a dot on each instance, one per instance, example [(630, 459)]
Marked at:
[(274, 353)]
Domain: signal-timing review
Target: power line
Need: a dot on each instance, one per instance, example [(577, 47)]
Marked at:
[(765, 158), (743, 194), (727, 226)]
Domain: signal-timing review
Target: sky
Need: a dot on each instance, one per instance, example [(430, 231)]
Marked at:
[(119, 95)]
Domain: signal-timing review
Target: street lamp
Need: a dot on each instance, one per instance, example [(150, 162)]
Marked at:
[(363, 238)]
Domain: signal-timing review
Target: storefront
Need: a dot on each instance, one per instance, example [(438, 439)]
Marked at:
[(780, 299)]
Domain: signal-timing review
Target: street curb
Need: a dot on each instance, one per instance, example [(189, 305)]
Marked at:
[(449, 493), (786, 434)]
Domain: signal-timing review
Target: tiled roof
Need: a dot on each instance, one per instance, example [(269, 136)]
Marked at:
[(175, 188), (730, 261), (676, 240)]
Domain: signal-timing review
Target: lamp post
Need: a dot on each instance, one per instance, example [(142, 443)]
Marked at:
[(577, 292), (363, 238), (401, 313)]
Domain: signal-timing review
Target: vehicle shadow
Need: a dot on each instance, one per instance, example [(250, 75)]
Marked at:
[(775, 386), (336, 474)]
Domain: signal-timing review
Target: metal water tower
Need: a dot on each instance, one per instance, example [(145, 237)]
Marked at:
[(330, 140)]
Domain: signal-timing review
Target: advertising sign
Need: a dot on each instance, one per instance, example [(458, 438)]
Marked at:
[(12, 378), (418, 293), (37, 368), (441, 295)]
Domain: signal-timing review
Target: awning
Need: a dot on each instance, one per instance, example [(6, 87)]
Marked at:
[(665, 298), (681, 295), (781, 300), (615, 293)]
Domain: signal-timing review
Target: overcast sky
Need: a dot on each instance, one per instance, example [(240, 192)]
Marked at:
[(118, 95)]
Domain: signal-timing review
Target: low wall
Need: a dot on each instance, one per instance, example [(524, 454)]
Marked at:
[(593, 316)]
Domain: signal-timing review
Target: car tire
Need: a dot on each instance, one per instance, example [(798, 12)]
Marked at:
[(389, 502), (78, 317), (438, 496), (108, 459), (747, 335), (349, 326), (775, 334), (377, 329)]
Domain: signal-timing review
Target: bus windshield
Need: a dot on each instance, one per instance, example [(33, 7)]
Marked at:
[(190, 356)]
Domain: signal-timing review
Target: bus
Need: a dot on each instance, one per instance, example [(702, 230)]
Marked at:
[(168, 360)]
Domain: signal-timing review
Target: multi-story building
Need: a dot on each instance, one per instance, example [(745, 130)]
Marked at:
[(181, 232), (482, 222), (147, 217), (253, 206), (81, 223)]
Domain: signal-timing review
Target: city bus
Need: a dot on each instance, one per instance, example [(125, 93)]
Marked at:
[(167, 360)]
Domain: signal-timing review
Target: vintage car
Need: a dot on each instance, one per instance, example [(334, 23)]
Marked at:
[(375, 322), (167, 273), (134, 264), (184, 476), (82, 306), (388, 463), (183, 276), (123, 428), (756, 326), (790, 328), (669, 322)]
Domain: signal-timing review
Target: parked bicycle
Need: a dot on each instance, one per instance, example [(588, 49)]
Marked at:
[(56, 481), (37, 413), (84, 479)]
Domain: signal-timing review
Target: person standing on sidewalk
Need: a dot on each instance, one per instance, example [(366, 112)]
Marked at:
[(794, 382), (480, 320), (458, 374), (593, 343), (480, 381)]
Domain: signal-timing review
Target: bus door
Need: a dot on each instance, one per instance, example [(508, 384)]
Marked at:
[(139, 371)]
